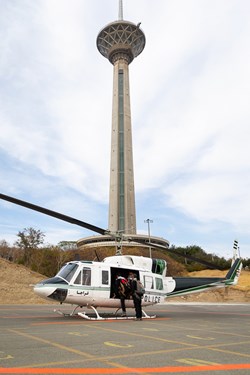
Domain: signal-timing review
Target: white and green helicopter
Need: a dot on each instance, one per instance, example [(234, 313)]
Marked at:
[(90, 284)]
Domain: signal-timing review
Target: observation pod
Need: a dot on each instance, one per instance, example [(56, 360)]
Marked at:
[(121, 39)]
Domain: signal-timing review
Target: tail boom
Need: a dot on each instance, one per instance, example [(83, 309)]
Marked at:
[(188, 285)]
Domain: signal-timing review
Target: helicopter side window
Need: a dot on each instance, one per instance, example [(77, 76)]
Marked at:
[(86, 276), (68, 271), (158, 283), (148, 282), (105, 277)]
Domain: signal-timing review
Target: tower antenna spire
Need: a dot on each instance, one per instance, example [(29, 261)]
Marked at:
[(120, 14)]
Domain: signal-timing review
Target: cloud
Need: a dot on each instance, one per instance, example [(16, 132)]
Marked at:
[(190, 113)]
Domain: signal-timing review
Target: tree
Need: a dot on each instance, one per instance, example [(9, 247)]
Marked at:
[(48, 260), (4, 249), (29, 239)]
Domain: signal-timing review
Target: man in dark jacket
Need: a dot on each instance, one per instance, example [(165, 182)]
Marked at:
[(135, 296)]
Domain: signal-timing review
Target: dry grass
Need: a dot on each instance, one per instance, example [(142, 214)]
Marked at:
[(16, 284)]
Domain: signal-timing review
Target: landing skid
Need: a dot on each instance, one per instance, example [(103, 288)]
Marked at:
[(106, 316), (68, 314), (113, 317)]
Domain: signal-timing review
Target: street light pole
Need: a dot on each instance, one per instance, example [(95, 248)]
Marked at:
[(148, 221)]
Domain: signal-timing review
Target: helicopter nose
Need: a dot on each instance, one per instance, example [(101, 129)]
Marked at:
[(43, 290), (51, 292)]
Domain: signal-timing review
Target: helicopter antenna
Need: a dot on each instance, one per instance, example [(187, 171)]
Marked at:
[(97, 256), (119, 239), (118, 248), (120, 14), (236, 251)]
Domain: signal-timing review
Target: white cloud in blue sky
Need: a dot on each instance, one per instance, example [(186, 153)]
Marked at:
[(190, 100)]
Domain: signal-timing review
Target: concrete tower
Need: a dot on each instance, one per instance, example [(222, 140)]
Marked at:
[(120, 42)]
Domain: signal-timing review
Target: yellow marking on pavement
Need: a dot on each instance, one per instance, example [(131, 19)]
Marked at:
[(200, 338), (4, 356), (151, 329), (136, 334), (229, 351), (118, 344), (196, 362), (59, 346), (226, 332), (77, 334), (68, 349)]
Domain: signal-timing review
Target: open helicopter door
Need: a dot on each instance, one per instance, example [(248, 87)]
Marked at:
[(124, 272)]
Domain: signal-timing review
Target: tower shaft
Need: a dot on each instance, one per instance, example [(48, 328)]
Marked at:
[(120, 42), (122, 215)]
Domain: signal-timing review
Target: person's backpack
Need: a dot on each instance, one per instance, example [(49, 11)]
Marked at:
[(140, 290)]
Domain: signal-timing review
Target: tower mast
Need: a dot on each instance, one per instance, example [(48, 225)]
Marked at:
[(120, 15), (120, 42)]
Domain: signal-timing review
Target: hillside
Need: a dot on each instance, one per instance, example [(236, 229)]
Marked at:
[(16, 286)]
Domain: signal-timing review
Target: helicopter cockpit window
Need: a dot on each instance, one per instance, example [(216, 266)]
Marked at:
[(105, 277), (78, 279), (86, 276), (68, 271), (83, 277), (148, 282), (158, 283)]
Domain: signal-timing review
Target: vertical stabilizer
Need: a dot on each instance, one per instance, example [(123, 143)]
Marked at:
[(233, 274)]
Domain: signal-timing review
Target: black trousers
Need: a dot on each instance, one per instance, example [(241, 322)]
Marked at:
[(123, 305), (137, 305)]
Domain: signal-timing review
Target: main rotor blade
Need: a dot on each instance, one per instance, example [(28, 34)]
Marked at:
[(190, 257), (99, 230), (55, 214)]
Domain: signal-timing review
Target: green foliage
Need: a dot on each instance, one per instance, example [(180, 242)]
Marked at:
[(246, 263), (198, 252)]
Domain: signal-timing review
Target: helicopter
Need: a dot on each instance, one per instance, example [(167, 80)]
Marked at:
[(90, 284)]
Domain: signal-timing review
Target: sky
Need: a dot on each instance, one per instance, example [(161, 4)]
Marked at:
[(190, 106)]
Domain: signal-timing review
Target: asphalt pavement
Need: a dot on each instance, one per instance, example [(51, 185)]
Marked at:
[(183, 339)]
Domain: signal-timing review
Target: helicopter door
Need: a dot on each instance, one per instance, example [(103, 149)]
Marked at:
[(114, 272)]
